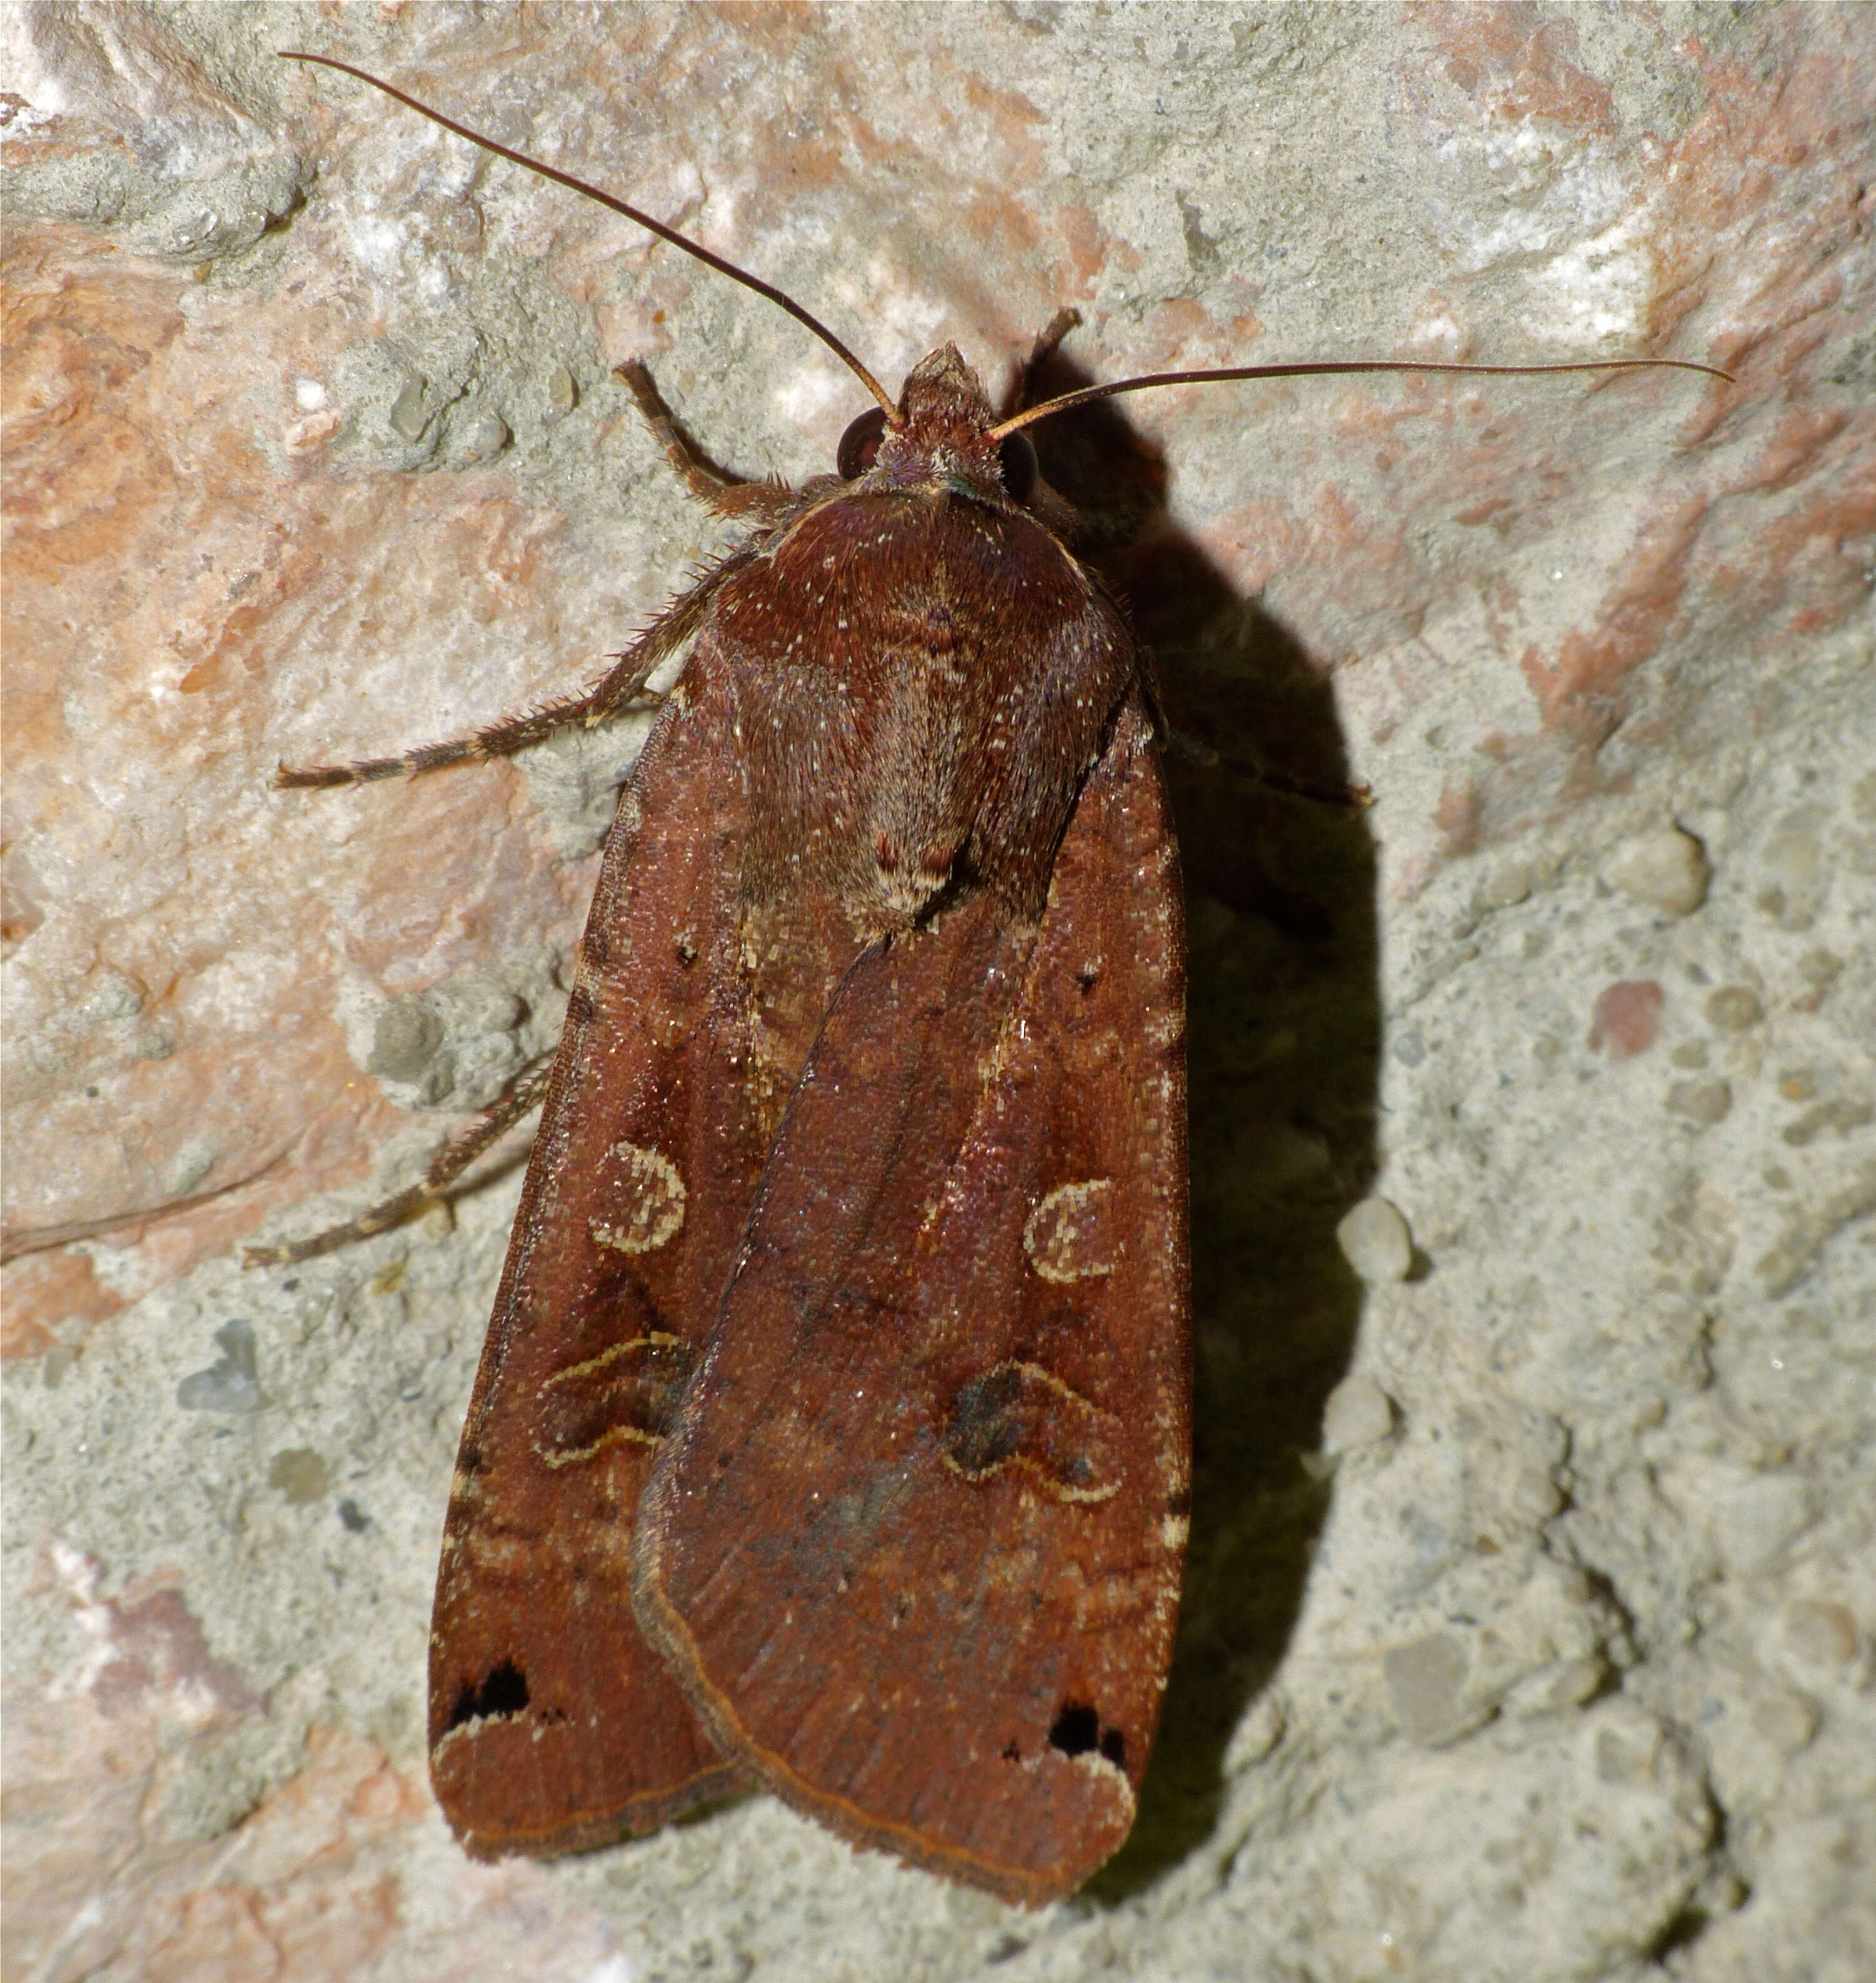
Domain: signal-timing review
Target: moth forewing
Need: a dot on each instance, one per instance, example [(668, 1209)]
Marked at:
[(552, 1726), (914, 1549)]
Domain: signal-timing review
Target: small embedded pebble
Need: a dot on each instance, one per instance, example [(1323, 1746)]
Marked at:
[(1703, 1102), (1626, 1016), (1628, 1754), (487, 435), (407, 418), (405, 1038), (1505, 888), (232, 1384), (1821, 1635), (1426, 1683), (1841, 1116), (1376, 1243), (1734, 1008), (563, 391), (1359, 1412), (1787, 1721), (299, 1474), (1572, 1682), (1666, 870)]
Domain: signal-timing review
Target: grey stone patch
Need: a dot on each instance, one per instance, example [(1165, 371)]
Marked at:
[(462, 1043), (195, 226), (1426, 1682), (230, 1384), (105, 1028), (190, 1166), (576, 777), (196, 179), (219, 1775), (406, 1037)]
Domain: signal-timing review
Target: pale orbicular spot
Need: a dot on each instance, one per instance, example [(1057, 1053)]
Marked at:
[(648, 1198), (1069, 1237)]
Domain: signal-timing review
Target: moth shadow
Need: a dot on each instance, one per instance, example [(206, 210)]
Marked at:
[(1283, 1046)]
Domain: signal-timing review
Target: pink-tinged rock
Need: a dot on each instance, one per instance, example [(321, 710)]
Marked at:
[(1626, 1016)]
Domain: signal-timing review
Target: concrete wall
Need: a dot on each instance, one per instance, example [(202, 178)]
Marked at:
[(1529, 1624)]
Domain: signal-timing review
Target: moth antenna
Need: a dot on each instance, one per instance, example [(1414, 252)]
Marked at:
[(1030, 415), (644, 220)]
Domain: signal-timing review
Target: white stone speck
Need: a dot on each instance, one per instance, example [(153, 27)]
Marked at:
[(1666, 870), (1376, 1243)]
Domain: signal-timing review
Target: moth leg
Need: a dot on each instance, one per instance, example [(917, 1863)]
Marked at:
[(622, 684), (1045, 348), (723, 495), (1357, 797), (448, 1166)]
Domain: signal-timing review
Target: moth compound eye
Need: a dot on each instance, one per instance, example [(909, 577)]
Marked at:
[(859, 447), (1017, 459)]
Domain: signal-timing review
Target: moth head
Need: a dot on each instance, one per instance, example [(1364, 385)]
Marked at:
[(940, 439)]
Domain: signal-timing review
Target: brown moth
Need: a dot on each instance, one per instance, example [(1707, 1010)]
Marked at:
[(832, 1430)]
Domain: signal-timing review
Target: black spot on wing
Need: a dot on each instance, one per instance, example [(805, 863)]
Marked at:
[(503, 1692)]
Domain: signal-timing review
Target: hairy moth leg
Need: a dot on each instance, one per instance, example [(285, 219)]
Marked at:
[(450, 1163), (731, 497), (622, 685)]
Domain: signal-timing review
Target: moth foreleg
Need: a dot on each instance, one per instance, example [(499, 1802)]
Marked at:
[(1354, 797), (1045, 348), (450, 1163), (622, 684), (726, 496)]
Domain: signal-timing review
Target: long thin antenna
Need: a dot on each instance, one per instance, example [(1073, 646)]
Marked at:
[(1030, 415), (644, 220)]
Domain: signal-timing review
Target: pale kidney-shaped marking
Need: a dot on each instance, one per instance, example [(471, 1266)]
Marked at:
[(1068, 1237), (650, 1197), (1019, 1415)]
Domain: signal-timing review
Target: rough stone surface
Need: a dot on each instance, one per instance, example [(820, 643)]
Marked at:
[(312, 450)]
